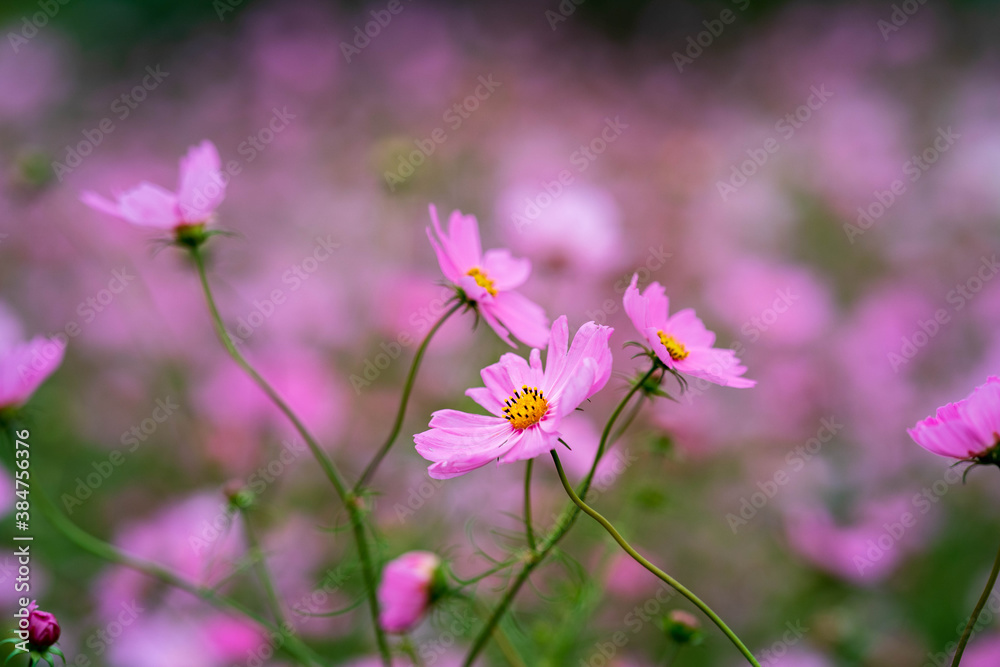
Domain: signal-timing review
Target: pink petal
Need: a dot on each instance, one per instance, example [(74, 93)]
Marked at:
[(533, 442), (981, 411), (99, 203), (504, 270), (519, 372), (25, 367), (576, 389), (487, 399), (657, 305), (445, 260), (494, 323), (150, 205), (720, 366), (688, 329), (523, 317), (201, 186), (590, 342), (463, 241), (635, 305)]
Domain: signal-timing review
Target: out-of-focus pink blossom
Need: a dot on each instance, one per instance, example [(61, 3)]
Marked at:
[(23, 368), (199, 193), (488, 279), (865, 551), (968, 429), (982, 652), (681, 342), (526, 404), (404, 593)]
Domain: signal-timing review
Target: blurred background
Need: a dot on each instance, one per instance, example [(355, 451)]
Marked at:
[(820, 181)]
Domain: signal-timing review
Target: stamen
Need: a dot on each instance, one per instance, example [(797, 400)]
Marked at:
[(482, 280), (525, 409), (675, 348)]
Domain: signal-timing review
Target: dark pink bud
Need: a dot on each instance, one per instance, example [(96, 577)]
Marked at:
[(43, 629)]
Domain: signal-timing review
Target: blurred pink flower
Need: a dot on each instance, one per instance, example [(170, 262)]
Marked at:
[(864, 551), (526, 404), (488, 279), (681, 342), (199, 193), (982, 652), (405, 591), (23, 368), (968, 429)]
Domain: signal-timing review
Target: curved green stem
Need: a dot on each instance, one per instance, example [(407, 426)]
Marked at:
[(101, 549), (263, 573), (373, 465), (563, 524), (528, 531), (348, 498), (975, 612), (676, 585)]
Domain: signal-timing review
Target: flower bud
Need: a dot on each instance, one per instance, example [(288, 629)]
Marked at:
[(409, 585), (43, 629), (683, 628)]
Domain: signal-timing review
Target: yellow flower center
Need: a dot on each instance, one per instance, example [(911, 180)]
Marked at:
[(482, 280), (525, 408), (675, 348)]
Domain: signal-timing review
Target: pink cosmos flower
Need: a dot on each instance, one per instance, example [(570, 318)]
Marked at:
[(488, 279), (526, 404), (968, 429), (199, 193), (23, 368), (681, 341), (405, 591)]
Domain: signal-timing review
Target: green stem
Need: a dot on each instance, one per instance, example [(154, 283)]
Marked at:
[(975, 612), (480, 577), (676, 585), (503, 641), (563, 524), (348, 498), (263, 573), (411, 377), (672, 656), (101, 549), (528, 531)]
